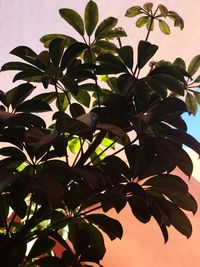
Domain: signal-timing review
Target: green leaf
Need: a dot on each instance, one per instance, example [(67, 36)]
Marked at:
[(178, 21), (133, 11), (105, 26), (73, 18), (46, 39), (112, 60), (108, 225), (191, 104), (83, 97), (33, 105), (41, 245), (163, 10), (126, 54), (179, 63), (25, 53), (150, 24), (62, 102), (148, 6), (91, 17), (74, 145), (164, 27), (197, 97), (145, 52), (194, 65), (46, 97), (56, 48), (141, 21), (115, 33)]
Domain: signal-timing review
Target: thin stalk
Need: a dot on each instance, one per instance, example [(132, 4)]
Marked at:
[(57, 96), (120, 150), (91, 148), (103, 151), (94, 71), (152, 19), (4, 216)]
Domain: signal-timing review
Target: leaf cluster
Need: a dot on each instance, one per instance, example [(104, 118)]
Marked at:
[(58, 181)]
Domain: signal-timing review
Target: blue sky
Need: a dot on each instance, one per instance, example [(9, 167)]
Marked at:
[(193, 123)]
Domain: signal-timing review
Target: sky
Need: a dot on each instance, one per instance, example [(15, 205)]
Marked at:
[(23, 22)]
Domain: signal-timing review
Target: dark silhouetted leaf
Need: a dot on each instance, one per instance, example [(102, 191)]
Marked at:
[(126, 54), (167, 182), (182, 138), (145, 52), (73, 18), (170, 83), (180, 221), (42, 245), (33, 105), (108, 225), (18, 94), (25, 53), (56, 48), (139, 209), (72, 52)]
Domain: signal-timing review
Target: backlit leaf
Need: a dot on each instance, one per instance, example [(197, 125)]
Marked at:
[(133, 11), (91, 17), (164, 27), (108, 225), (141, 21), (104, 26), (194, 65), (73, 18), (191, 104)]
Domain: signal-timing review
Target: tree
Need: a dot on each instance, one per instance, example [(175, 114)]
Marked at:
[(64, 177)]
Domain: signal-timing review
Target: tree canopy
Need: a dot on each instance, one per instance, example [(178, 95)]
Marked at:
[(115, 138)]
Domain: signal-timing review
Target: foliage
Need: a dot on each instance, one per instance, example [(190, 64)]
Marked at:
[(55, 177)]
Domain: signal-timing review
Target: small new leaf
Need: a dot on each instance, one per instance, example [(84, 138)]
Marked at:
[(141, 21), (133, 11), (148, 6), (164, 27)]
